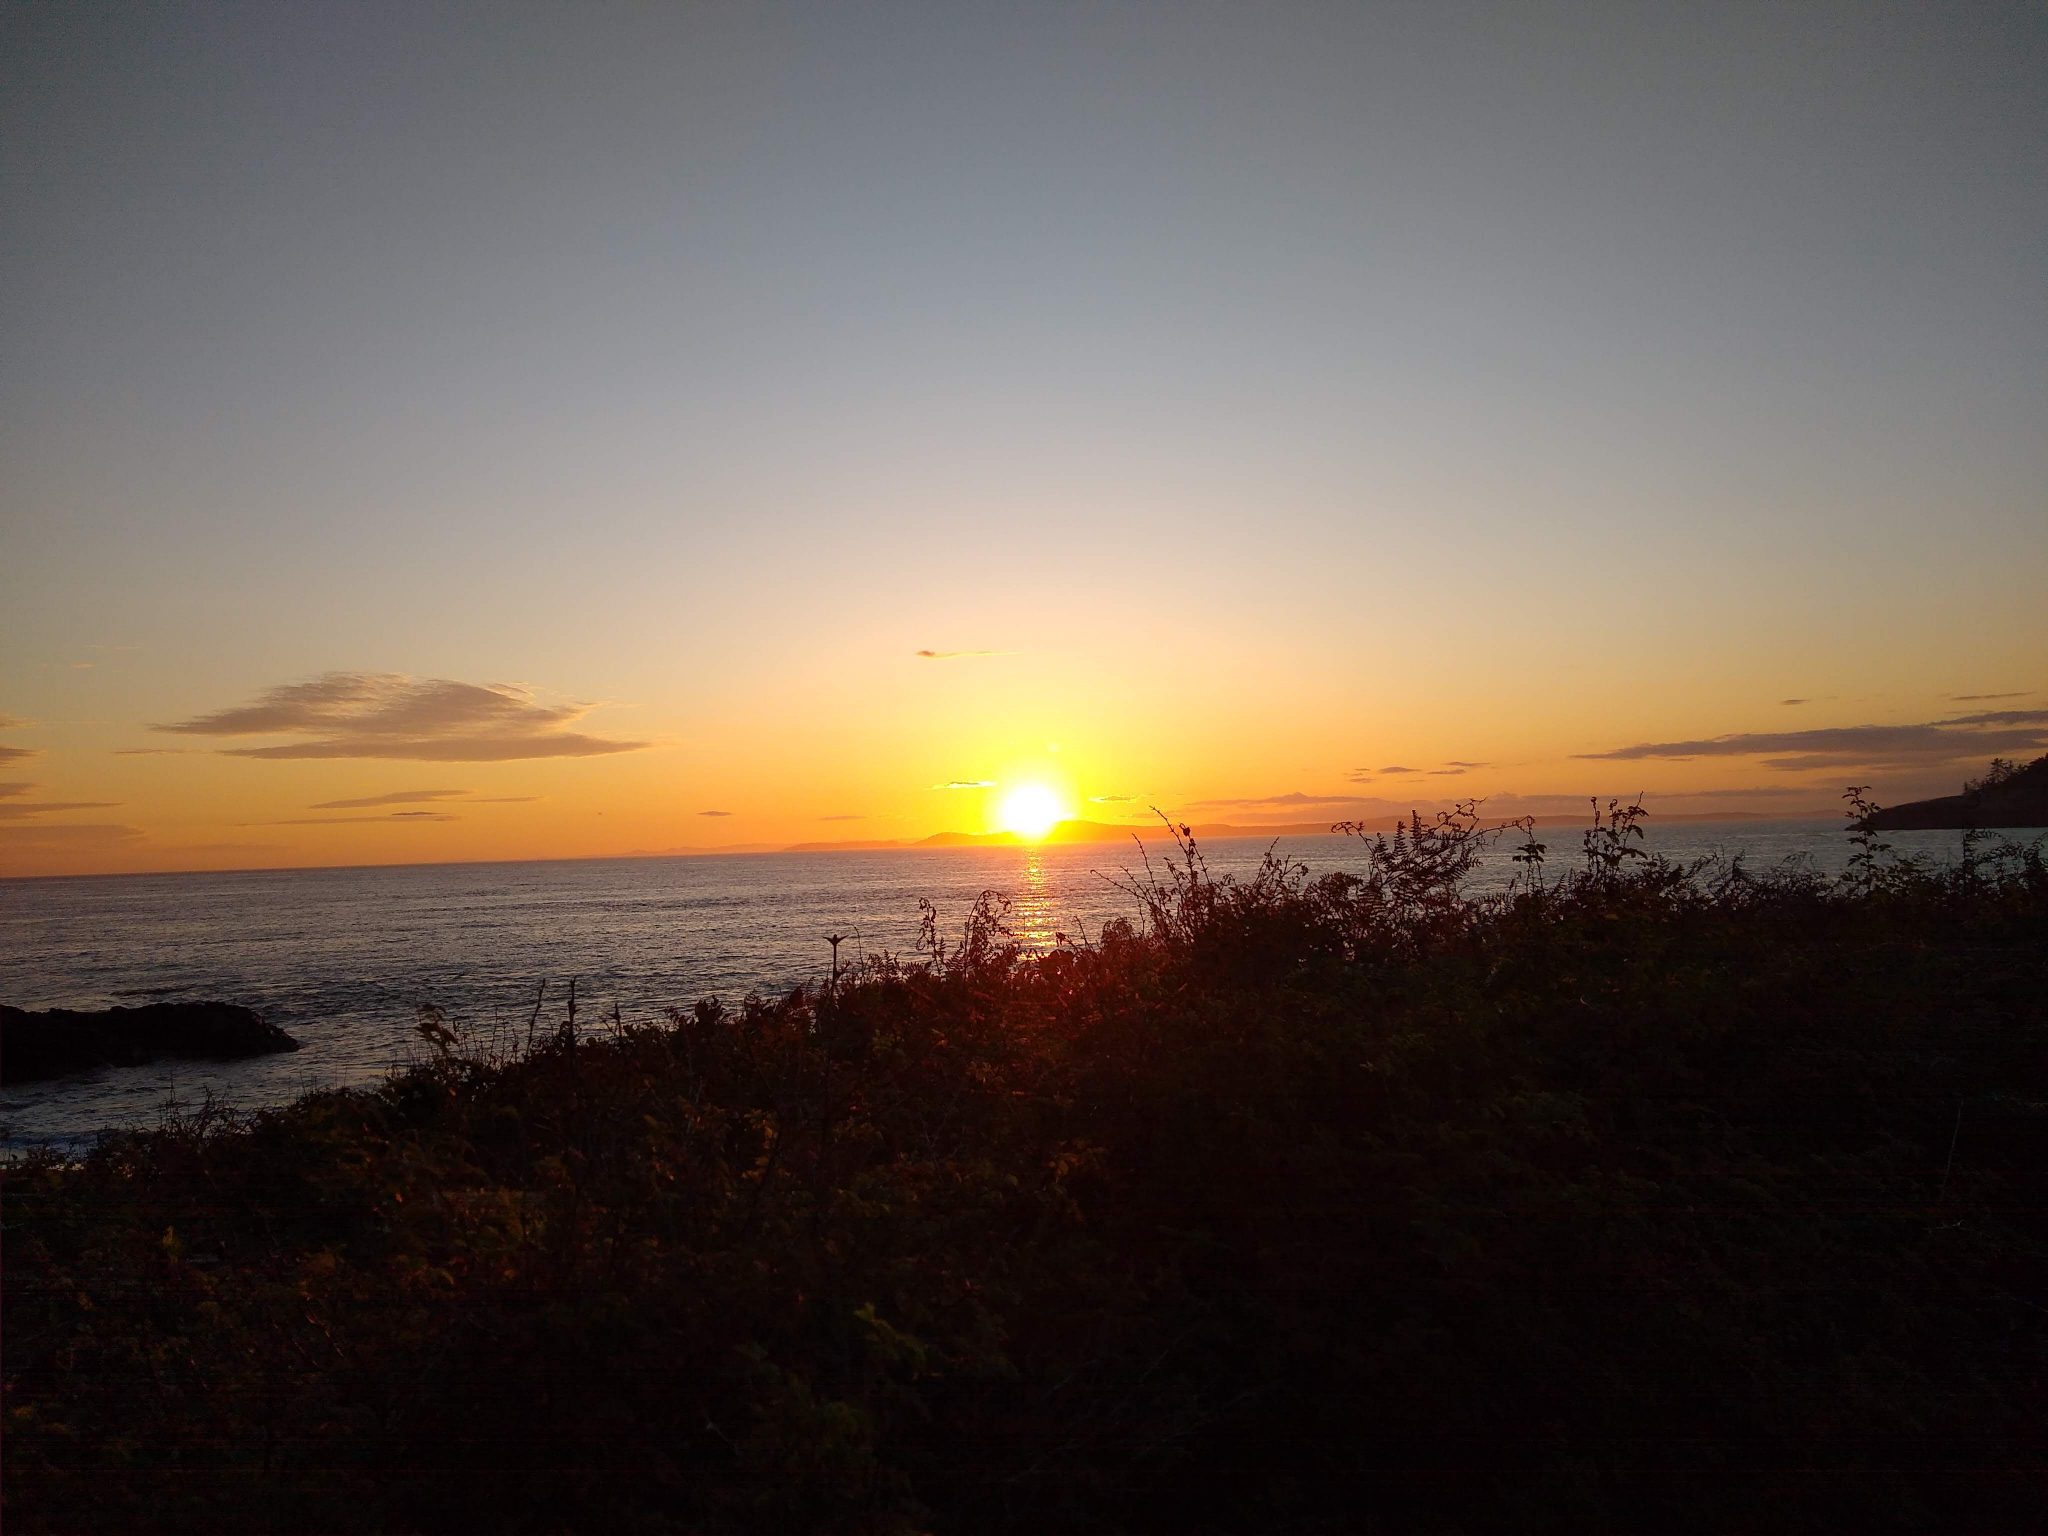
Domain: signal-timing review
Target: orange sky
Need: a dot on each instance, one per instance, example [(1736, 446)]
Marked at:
[(929, 744), (698, 426)]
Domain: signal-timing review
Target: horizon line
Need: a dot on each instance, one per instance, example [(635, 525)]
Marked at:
[(1221, 831)]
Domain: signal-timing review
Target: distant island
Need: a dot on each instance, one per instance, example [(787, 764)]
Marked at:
[(1158, 829), (2007, 796), (1079, 831)]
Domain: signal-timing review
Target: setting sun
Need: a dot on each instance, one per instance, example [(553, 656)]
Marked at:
[(1031, 810)]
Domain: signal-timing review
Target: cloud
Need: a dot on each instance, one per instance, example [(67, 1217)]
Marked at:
[(1110, 799), (419, 797), (15, 807), (714, 813), (1292, 797), (1780, 790), (2002, 717), (960, 655), (354, 821), (34, 834), (396, 797), (14, 723), (845, 816), (16, 810), (1450, 769), (152, 751), (389, 715), (1789, 702), (966, 784), (16, 754), (1984, 698), (1860, 746)]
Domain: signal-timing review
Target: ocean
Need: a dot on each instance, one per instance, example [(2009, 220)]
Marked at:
[(344, 958)]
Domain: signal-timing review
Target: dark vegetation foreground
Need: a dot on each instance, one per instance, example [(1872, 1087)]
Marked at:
[(1646, 1198)]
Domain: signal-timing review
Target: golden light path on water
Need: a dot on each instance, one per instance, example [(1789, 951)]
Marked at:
[(1031, 907)]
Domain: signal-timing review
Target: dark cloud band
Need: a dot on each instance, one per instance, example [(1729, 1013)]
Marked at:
[(1936, 741)]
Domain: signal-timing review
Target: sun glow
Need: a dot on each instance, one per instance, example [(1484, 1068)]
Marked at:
[(1030, 811)]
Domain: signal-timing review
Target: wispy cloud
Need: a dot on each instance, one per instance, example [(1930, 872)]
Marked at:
[(1985, 698), (1861, 746), (354, 821), (18, 810), (966, 784), (1788, 703), (714, 813), (396, 797), (1111, 799), (16, 806), (1760, 791), (421, 797), (960, 655), (389, 715), (13, 723), (2002, 717), (37, 834), (845, 816), (1292, 797), (16, 754), (152, 751)]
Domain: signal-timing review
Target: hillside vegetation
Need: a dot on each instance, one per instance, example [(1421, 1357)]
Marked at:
[(2009, 795), (1646, 1197)]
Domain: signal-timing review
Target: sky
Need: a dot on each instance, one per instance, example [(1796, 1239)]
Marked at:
[(439, 432)]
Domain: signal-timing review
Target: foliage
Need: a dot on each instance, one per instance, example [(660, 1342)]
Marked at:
[(2002, 770), (1640, 1197)]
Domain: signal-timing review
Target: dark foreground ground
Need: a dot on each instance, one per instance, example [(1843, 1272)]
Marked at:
[(1654, 1200)]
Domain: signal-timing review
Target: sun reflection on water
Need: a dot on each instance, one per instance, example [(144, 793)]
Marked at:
[(1031, 911)]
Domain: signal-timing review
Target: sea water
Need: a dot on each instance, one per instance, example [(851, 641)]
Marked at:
[(343, 959)]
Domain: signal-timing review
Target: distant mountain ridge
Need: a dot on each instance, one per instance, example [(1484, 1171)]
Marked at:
[(2018, 798), (1115, 832)]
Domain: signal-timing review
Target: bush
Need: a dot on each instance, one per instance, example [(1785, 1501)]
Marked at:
[(1642, 1196)]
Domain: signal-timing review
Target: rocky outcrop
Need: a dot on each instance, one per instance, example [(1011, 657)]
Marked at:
[(60, 1040)]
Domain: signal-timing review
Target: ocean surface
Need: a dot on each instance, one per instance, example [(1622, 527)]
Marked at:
[(343, 959)]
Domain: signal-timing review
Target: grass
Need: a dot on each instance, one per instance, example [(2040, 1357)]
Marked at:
[(1646, 1196)]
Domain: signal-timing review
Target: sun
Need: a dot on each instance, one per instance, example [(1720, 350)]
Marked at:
[(1030, 811)]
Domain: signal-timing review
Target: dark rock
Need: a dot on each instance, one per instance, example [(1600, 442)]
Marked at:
[(60, 1040)]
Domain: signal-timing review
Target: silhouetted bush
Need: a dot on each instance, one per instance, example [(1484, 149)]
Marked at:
[(1642, 1196)]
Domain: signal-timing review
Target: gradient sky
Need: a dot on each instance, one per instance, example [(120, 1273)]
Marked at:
[(593, 412)]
